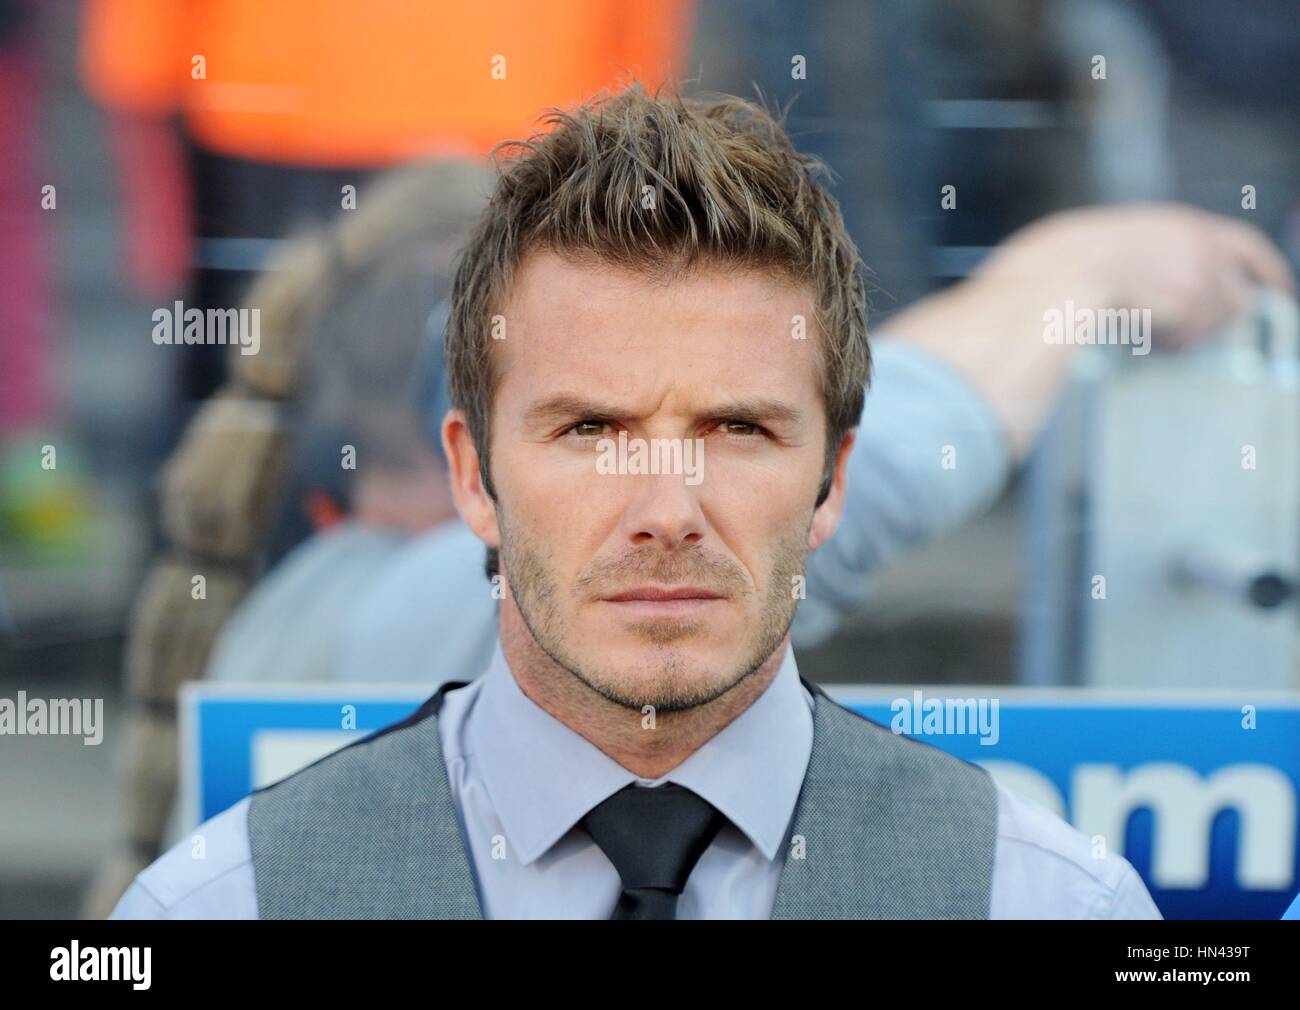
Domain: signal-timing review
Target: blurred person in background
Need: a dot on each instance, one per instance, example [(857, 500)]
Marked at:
[(364, 472)]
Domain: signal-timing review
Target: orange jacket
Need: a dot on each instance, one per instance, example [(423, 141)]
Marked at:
[(371, 82)]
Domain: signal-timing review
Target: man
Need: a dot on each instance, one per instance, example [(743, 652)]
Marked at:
[(649, 273)]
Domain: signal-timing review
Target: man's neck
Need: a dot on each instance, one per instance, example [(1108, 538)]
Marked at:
[(619, 731)]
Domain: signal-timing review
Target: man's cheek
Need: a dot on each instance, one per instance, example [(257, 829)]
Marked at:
[(562, 525)]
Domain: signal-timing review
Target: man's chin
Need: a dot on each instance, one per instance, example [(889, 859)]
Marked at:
[(666, 677)]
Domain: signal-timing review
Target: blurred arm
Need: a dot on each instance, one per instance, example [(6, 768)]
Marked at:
[(967, 380), (930, 454), (1195, 271)]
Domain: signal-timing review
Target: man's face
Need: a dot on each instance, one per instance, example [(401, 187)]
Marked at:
[(661, 589)]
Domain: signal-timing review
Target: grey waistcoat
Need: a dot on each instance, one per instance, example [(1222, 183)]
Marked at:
[(885, 827)]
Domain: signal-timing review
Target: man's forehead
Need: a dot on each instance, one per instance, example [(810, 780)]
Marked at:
[(546, 279), (713, 316)]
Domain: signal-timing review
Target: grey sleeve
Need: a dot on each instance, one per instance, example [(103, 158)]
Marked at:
[(930, 454)]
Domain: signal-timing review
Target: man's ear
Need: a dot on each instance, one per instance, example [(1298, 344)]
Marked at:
[(827, 516), (472, 500)]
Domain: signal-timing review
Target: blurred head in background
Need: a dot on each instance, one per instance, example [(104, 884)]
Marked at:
[(363, 304)]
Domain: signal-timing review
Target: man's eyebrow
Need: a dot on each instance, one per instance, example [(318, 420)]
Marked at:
[(563, 406), (758, 409), (755, 409)]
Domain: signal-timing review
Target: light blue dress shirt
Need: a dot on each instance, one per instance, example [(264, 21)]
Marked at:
[(522, 781)]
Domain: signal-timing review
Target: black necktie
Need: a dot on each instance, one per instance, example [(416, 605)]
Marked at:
[(654, 837)]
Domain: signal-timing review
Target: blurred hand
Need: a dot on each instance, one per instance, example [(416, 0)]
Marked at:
[(1194, 270)]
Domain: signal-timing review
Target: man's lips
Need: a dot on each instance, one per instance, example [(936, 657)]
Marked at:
[(662, 594), (652, 603)]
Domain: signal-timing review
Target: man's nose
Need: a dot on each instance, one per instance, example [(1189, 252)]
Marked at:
[(663, 508)]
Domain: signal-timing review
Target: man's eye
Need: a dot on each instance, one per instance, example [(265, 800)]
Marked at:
[(586, 429), (742, 429)]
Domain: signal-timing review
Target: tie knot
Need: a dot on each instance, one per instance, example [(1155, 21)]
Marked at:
[(654, 836)]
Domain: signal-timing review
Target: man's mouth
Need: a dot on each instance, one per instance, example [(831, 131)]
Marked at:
[(661, 600)]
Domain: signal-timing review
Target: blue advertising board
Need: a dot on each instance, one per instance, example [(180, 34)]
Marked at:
[(1197, 791)]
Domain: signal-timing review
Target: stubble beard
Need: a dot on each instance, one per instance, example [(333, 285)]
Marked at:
[(669, 681)]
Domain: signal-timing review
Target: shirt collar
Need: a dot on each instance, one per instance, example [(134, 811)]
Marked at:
[(543, 777)]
